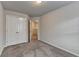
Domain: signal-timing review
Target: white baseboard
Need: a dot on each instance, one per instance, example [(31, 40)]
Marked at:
[(1, 49), (61, 48)]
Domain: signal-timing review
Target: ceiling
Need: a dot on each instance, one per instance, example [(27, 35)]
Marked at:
[(32, 9)]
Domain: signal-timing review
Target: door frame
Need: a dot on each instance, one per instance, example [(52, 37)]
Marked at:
[(18, 14)]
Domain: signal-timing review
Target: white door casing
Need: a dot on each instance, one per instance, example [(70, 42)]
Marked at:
[(16, 29)]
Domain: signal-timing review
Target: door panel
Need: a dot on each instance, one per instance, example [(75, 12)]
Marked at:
[(16, 30)]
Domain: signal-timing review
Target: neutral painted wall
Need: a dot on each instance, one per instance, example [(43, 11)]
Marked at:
[(60, 28), (1, 28)]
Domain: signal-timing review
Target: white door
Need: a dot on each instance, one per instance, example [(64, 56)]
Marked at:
[(16, 29)]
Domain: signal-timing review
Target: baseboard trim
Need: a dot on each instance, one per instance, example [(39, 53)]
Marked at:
[(15, 44), (60, 48), (1, 49)]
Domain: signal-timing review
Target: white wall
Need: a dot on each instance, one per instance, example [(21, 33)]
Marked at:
[(1, 28), (17, 13), (60, 28)]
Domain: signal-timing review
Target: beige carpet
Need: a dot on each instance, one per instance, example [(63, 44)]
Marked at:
[(34, 49)]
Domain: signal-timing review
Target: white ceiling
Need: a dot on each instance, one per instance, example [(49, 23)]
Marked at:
[(33, 9)]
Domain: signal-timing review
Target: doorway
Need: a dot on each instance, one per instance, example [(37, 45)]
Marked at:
[(16, 29), (34, 30)]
